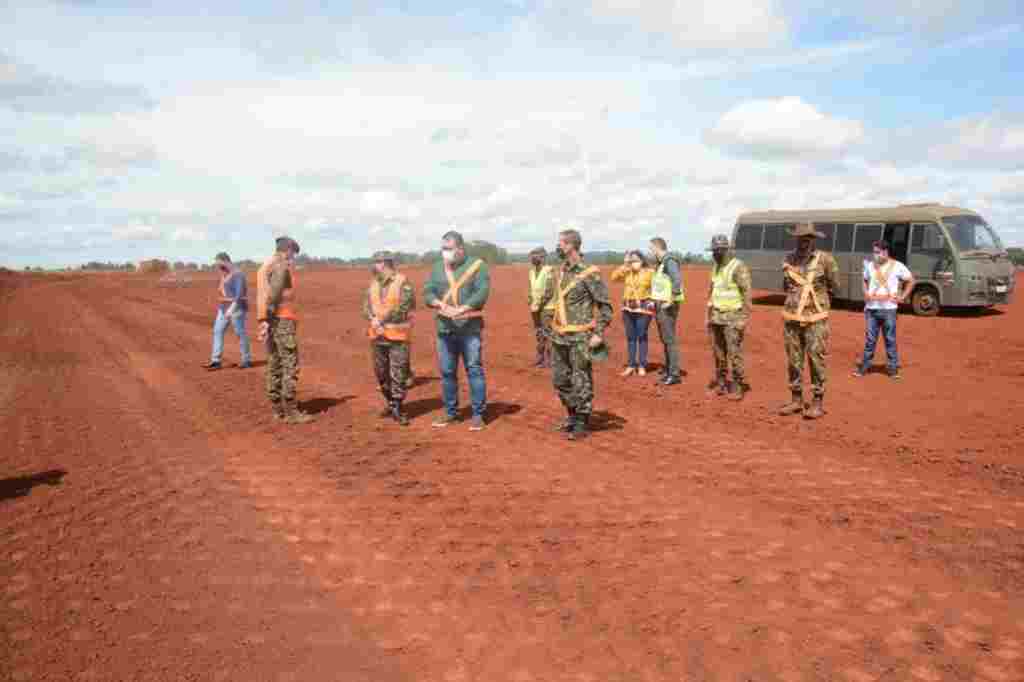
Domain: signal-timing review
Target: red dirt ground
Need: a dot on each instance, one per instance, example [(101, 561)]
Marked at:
[(157, 524)]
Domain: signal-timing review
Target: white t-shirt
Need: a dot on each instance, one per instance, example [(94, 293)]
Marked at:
[(897, 272)]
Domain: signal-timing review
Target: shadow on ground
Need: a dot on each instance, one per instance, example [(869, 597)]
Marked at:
[(19, 486)]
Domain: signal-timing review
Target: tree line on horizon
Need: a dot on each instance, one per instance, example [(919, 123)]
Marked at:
[(487, 251)]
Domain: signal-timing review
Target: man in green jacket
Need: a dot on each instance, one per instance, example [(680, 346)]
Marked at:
[(458, 289)]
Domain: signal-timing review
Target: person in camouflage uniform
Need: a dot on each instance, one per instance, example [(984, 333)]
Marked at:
[(728, 312), (542, 316), (810, 280), (583, 311), (388, 303), (278, 320)]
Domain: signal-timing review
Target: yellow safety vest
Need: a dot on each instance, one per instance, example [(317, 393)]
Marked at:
[(725, 295), (661, 287), (538, 283)]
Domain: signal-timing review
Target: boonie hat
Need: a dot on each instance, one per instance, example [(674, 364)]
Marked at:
[(805, 230)]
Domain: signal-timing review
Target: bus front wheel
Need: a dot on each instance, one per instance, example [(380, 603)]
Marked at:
[(925, 301)]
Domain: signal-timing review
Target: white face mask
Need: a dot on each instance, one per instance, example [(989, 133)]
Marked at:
[(448, 255), (636, 265)]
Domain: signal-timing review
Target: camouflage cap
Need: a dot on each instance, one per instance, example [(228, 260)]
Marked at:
[(222, 256), (539, 251), (285, 243), (383, 256), (719, 241)]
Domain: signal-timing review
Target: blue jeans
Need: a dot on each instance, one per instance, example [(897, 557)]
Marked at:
[(220, 325), (884, 320), (636, 337), (470, 347)]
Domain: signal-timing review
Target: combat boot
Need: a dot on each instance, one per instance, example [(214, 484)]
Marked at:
[(278, 408), (293, 415), (815, 410), (717, 385), (567, 425), (794, 406), (580, 428), (398, 415), (739, 389)]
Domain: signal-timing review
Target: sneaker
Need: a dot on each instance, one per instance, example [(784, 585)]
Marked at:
[(212, 365), (670, 381), (628, 371), (858, 372), (641, 372), (476, 423), (244, 365), (446, 420)]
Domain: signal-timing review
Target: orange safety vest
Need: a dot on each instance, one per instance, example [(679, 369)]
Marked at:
[(560, 322), (452, 297), (286, 308), (382, 305), (807, 294)]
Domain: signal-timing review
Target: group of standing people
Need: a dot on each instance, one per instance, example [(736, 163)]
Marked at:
[(571, 311)]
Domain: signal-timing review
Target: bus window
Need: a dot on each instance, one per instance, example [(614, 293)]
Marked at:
[(773, 237), (927, 237), (748, 238), (866, 236), (788, 240), (827, 229), (844, 237)]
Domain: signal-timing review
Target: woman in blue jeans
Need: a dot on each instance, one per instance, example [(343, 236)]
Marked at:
[(637, 309)]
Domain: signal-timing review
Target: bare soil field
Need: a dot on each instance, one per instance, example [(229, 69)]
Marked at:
[(157, 524)]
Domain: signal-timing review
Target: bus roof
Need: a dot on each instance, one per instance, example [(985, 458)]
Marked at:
[(905, 213)]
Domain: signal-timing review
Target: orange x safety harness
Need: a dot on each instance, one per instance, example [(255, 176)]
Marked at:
[(560, 323), (807, 294)]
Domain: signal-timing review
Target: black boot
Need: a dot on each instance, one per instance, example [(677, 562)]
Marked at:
[(569, 423), (398, 415), (581, 427)]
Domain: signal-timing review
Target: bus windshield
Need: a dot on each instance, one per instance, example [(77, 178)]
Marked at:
[(971, 233)]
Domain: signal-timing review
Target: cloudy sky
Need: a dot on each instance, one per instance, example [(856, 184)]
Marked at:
[(177, 130)]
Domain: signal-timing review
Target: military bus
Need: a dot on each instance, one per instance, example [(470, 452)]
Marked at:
[(956, 257)]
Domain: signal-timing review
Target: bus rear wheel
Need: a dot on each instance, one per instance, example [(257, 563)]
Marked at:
[(925, 301)]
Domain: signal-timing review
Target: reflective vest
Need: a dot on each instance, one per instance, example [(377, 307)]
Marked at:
[(286, 308), (454, 285), (725, 295), (807, 294), (661, 287), (560, 322), (881, 280), (382, 305), (538, 283)]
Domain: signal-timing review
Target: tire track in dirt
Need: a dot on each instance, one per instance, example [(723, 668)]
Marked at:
[(774, 564)]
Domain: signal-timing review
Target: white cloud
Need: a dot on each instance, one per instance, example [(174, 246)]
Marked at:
[(701, 24), (136, 233), (785, 127)]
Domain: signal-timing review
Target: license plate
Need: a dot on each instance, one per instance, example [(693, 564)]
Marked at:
[(1000, 288)]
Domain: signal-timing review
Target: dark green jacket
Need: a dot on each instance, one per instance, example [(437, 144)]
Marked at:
[(587, 302), (473, 294)]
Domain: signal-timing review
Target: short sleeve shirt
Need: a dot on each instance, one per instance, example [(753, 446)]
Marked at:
[(894, 273)]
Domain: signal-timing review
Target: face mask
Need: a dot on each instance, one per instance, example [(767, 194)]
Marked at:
[(448, 255), (636, 265), (879, 258), (560, 252), (537, 262), (652, 256)]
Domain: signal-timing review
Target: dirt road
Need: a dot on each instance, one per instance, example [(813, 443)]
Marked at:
[(157, 524)]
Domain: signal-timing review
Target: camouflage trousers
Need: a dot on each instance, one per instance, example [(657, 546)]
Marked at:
[(727, 344), (391, 365), (542, 331), (572, 376), (282, 361), (810, 340)]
